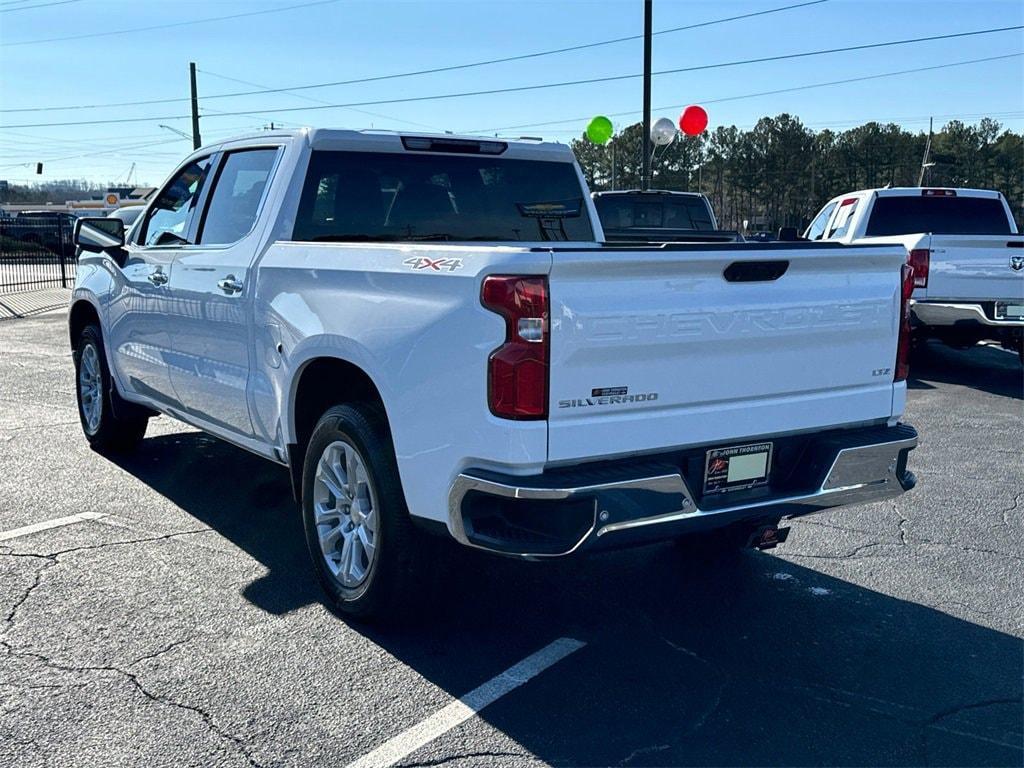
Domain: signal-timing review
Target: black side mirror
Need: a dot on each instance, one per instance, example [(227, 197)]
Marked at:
[(788, 234), (99, 235)]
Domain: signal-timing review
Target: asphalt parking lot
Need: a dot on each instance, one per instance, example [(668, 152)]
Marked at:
[(176, 621)]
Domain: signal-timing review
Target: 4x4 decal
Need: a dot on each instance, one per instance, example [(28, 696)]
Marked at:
[(437, 265)]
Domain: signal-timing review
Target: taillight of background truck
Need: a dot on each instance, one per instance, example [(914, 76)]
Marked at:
[(517, 371), (919, 260), (903, 345)]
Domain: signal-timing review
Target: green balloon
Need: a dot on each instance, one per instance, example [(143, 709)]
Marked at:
[(600, 130)]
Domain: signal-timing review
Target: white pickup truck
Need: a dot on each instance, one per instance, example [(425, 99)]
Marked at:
[(429, 333), (963, 245)]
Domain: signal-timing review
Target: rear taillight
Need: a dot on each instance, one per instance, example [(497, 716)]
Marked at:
[(919, 261), (517, 371), (903, 345)]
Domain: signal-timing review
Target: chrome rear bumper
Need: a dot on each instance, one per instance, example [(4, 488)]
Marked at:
[(661, 504), (946, 314)]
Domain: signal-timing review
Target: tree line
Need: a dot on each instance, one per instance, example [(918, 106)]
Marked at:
[(781, 172)]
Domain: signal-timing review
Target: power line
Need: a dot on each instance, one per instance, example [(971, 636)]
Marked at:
[(541, 86), (41, 5), (313, 99), (435, 70), (168, 26), (793, 89), (100, 152)]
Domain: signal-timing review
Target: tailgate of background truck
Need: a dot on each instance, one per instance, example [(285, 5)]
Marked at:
[(653, 348), (974, 267)]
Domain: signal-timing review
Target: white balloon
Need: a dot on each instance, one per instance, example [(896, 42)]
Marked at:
[(663, 132)]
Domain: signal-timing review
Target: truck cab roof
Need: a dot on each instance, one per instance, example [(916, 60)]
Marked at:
[(373, 140)]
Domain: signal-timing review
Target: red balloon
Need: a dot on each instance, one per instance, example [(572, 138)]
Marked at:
[(693, 121)]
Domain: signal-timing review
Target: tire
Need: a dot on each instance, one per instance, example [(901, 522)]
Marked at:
[(110, 424), (341, 518)]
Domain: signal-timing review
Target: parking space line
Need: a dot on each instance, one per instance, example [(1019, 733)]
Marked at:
[(57, 522), (456, 713)]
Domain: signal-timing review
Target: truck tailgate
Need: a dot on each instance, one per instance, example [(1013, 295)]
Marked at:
[(653, 348), (974, 267)]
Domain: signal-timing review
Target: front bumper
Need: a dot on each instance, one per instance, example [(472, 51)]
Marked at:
[(940, 314), (624, 502)]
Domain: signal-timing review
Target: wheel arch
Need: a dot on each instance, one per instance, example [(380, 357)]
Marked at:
[(318, 384), (82, 313)]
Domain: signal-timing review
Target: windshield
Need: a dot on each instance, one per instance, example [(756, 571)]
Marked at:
[(401, 196), (906, 215), (653, 212)]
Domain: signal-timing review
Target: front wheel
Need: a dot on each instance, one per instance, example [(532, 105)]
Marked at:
[(109, 423), (364, 548)]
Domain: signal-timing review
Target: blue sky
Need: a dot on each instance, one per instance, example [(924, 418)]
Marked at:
[(346, 39)]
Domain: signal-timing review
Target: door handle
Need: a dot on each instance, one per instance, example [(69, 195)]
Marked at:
[(230, 285), (157, 278)]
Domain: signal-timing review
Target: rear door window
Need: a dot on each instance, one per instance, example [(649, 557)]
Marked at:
[(908, 214), (235, 199), (408, 197), (817, 229)]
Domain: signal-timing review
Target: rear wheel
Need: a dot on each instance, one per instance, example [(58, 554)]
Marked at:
[(109, 423), (361, 540)]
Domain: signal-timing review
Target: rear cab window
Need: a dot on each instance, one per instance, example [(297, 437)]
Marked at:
[(938, 215), (647, 211), (366, 196)]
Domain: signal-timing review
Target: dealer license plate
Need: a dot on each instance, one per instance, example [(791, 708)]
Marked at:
[(737, 468), (1007, 311)]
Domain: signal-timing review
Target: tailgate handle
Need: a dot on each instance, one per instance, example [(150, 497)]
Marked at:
[(1015, 244), (755, 271)]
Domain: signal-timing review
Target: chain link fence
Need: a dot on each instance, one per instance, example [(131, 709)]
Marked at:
[(36, 252)]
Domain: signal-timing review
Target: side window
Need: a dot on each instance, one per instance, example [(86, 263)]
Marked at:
[(168, 220), (817, 229), (235, 199), (844, 217)]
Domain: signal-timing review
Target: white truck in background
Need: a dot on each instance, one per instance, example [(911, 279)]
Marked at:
[(964, 248), (429, 332)]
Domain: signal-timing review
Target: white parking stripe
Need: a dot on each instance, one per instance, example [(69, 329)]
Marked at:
[(407, 742), (81, 517)]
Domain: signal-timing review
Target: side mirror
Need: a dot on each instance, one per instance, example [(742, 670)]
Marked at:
[(99, 235), (788, 234)]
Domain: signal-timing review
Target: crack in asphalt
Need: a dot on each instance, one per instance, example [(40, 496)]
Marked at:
[(52, 560), (902, 523), (462, 756), (1005, 513), (161, 652), (933, 722), (132, 678), (852, 554), (645, 751)]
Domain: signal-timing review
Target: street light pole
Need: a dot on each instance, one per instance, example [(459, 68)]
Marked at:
[(645, 176)]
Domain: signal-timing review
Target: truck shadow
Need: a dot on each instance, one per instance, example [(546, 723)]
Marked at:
[(985, 368), (755, 660)]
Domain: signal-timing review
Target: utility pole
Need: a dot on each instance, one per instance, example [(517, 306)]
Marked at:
[(613, 165), (645, 176), (196, 141), (927, 151)]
